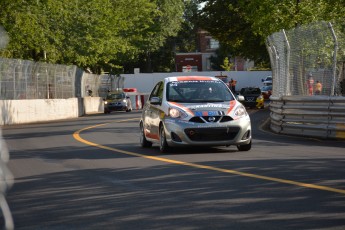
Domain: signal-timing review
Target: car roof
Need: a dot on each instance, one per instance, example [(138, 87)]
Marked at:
[(250, 90), (251, 87), (190, 78), (116, 92)]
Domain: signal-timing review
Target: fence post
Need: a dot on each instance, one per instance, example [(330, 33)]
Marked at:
[(334, 57), (287, 66)]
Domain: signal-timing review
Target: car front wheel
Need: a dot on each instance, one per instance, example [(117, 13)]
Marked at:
[(143, 142), (163, 145), (246, 147)]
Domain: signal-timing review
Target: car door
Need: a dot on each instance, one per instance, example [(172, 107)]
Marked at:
[(150, 113), (156, 110)]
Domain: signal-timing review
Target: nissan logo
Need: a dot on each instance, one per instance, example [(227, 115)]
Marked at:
[(211, 119)]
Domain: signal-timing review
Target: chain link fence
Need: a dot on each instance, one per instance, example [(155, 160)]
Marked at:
[(23, 79), (308, 60), (99, 85)]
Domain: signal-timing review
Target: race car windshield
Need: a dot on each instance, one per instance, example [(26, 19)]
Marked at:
[(115, 96), (198, 91)]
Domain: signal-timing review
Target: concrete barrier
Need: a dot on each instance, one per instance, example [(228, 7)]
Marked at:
[(37, 110), (41, 110), (93, 105)]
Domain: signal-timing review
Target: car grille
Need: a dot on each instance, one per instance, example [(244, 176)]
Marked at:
[(212, 134), (251, 99), (210, 119)]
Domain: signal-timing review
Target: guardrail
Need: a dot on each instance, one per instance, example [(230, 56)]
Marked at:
[(312, 116)]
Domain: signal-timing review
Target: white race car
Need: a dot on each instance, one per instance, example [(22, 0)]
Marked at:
[(195, 111)]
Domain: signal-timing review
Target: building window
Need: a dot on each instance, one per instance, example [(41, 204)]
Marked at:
[(214, 44)]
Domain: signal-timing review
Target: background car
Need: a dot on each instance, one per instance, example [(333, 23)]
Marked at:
[(267, 80), (252, 97), (194, 111), (266, 91), (117, 101)]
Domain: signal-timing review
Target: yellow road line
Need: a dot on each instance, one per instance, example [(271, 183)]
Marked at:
[(76, 135)]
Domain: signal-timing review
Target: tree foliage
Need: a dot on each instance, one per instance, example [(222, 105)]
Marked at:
[(98, 34), (227, 65), (104, 34), (269, 16), (226, 21), (243, 26), (163, 59)]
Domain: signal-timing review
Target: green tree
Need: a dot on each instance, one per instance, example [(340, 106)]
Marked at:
[(269, 16), (167, 24), (243, 26), (227, 65), (99, 34), (163, 59), (226, 21), (186, 39)]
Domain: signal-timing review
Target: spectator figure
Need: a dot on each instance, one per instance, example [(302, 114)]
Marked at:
[(310, 84), (318, 88), (229, 83), (232, 85)]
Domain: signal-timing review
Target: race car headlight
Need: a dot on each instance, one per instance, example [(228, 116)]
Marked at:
[(176, 113), (124, 101), (240, 111), (105, 102)]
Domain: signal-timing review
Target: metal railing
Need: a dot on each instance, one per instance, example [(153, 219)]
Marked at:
[(301, 60), (318, 116)]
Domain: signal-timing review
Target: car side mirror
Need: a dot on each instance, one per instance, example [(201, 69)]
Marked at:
[(240, 98), (155, 100)]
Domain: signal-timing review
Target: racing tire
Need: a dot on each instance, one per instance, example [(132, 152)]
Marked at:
[(143, 142), (163, 145), (246, 147)]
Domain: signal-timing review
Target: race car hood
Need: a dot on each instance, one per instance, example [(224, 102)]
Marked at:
[(115, 100)]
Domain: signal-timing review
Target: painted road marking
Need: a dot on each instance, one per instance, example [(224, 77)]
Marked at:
[(76, 136)]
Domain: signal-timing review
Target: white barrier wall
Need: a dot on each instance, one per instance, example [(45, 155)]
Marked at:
[(144, 82), (93, 105), (37, 110)]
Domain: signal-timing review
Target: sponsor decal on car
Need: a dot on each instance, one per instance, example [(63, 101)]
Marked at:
[(208, 113)]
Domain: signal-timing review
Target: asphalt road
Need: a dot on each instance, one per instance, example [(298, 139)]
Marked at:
[(90, 173)]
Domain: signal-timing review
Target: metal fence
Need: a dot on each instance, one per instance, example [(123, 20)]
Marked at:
[(301, 59), (23, 79), (99, 85), (306, 55)]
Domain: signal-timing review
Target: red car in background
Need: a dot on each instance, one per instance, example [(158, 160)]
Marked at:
[(266, 91)]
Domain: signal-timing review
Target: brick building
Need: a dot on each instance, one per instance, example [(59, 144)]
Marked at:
[(200, 60)]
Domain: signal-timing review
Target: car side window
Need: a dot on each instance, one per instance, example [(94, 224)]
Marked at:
[(160, 91), (157, 90)]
